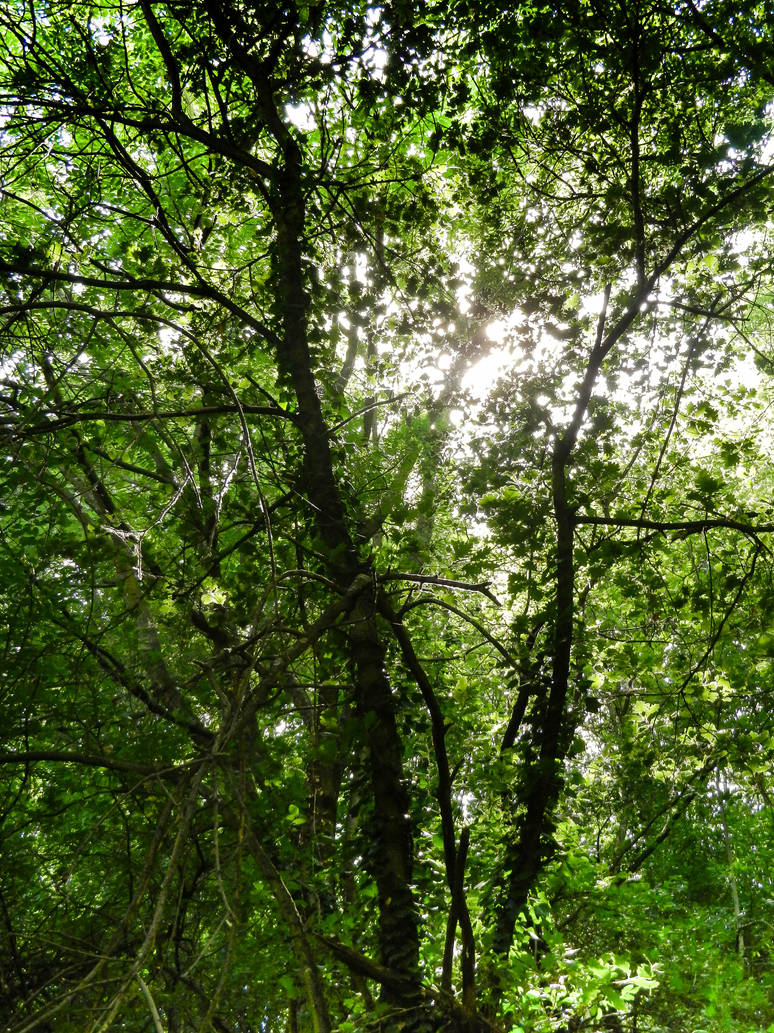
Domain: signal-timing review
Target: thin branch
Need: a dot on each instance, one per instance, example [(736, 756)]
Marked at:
[(151, 1004), (431, 600), (528, 684), (444, 582), (684, 796), (185, 818), (192, 290), (305, 959), (686, 526), (695, 310), (675, 409), (760, 63), (326, 620), (369, 407), (726, 616)]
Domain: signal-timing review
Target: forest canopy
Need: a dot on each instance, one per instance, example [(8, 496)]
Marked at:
[(386, 522)]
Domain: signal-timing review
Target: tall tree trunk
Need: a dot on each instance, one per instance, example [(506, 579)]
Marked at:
[(391, 860)]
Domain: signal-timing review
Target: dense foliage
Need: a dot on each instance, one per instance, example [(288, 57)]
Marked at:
[(388, 613)]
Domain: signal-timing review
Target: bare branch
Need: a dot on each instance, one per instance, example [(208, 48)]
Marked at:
[(443, 582)]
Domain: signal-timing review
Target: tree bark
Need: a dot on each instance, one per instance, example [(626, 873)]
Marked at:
[(391, 860)]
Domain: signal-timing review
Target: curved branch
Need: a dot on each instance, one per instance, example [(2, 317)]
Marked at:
[(431, 599), (438, 726)]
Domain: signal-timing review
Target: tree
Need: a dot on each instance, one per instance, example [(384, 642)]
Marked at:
[(335, 697)]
